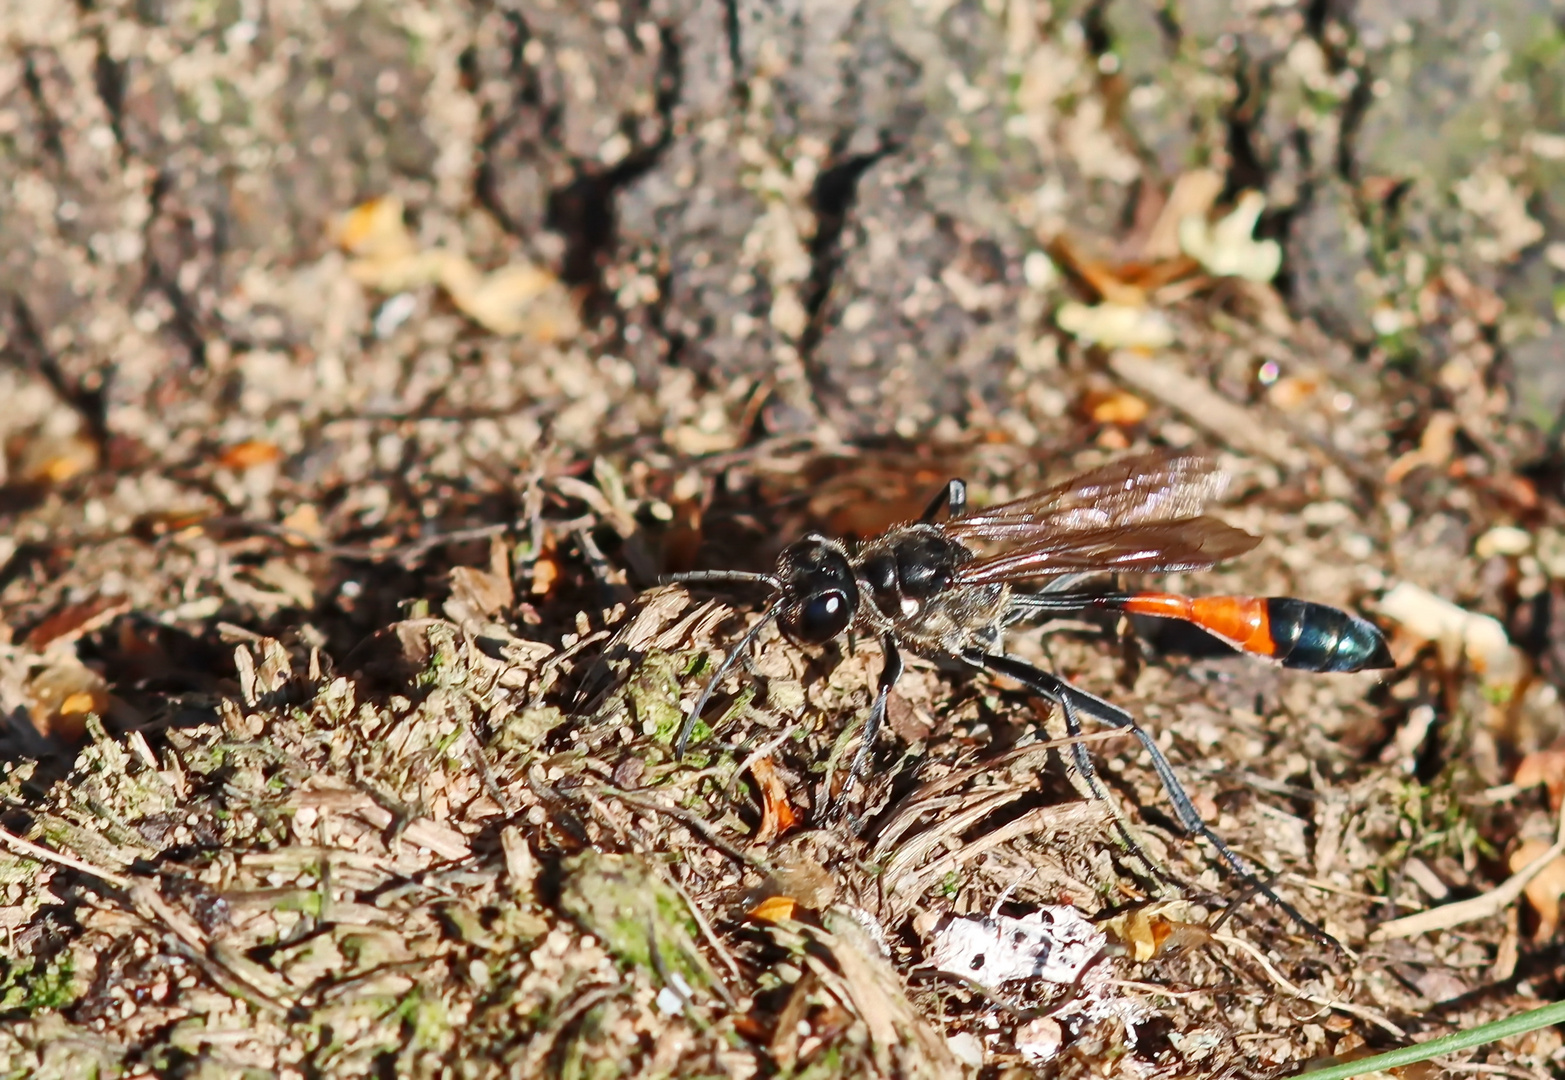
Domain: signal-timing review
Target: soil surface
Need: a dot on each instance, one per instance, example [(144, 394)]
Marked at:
[(367, 364)]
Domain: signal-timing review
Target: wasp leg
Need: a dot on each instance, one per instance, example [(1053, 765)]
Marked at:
[(710, 688), (720, 577), (953, 497), (890, 672), (1073, 700)]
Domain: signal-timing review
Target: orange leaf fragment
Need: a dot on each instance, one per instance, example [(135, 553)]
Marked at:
[(56, 459), (304, 522), (774, 909), (1293, 392), (1119, 407), (1146, 933), (546, 571), (1435, 447), (81, 702), (1100, 277), (1544, 891), (1545, 767), (374, 230), (749, 1027), (249, 454), (777, 816), (62, 696)]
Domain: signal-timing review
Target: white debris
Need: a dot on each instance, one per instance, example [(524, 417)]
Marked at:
[(1459, 633), (1503, 540), (1040, 1040), (671, 1000), (967, 1049), (1228, 247), (394, 312), (1055, 943), (1116, 326)]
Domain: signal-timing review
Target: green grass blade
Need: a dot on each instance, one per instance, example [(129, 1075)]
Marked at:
[(1446, 1044)]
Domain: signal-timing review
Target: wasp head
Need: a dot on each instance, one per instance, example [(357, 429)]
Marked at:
[(819, 594)]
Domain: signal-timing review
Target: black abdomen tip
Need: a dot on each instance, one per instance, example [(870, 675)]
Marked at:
[(1315, 637)]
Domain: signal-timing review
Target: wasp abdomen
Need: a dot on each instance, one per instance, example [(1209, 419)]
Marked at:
[(1315, 637), (1295, 633)]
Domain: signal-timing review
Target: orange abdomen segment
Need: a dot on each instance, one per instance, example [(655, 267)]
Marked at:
[(1242, 621)]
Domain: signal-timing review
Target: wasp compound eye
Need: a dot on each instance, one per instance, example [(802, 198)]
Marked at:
[(821, 617)]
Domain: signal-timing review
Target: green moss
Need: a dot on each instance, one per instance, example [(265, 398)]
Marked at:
[(42, 986), (428, 1019), (525, 730), (584, 1057), (653, 693), (951, 885), (307, 901), (642, 922)]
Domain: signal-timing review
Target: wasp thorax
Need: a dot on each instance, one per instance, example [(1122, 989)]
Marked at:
[(917, 568), (819, 593)]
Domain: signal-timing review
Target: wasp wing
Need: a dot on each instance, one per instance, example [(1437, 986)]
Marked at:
[(1187, 544), (1136, 490)]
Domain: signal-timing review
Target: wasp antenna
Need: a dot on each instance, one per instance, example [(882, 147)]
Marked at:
[(717, 676), (952, 497), (720, 577)]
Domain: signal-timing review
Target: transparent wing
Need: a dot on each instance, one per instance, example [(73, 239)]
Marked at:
[(1188, 544), (1142, 489)]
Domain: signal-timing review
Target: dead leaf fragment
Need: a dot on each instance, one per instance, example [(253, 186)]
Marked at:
[(1192, 196), (375, 230), (1435, 447), (1142, 931), (249, 454), (774, 909), (1460, 634), (1543, 892), (520, 300), (777, 815), (62, 696), (517, 300), (1119, 407), (1545, 767), (546, 568), (54, 459), (1292, 392), (305, 523), (1105, 281), (72, 622), (478, 596), (1116, 326), (1227, 247)]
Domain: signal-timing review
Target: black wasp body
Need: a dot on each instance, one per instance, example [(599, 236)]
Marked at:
[(899, 584), (931, 588)]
